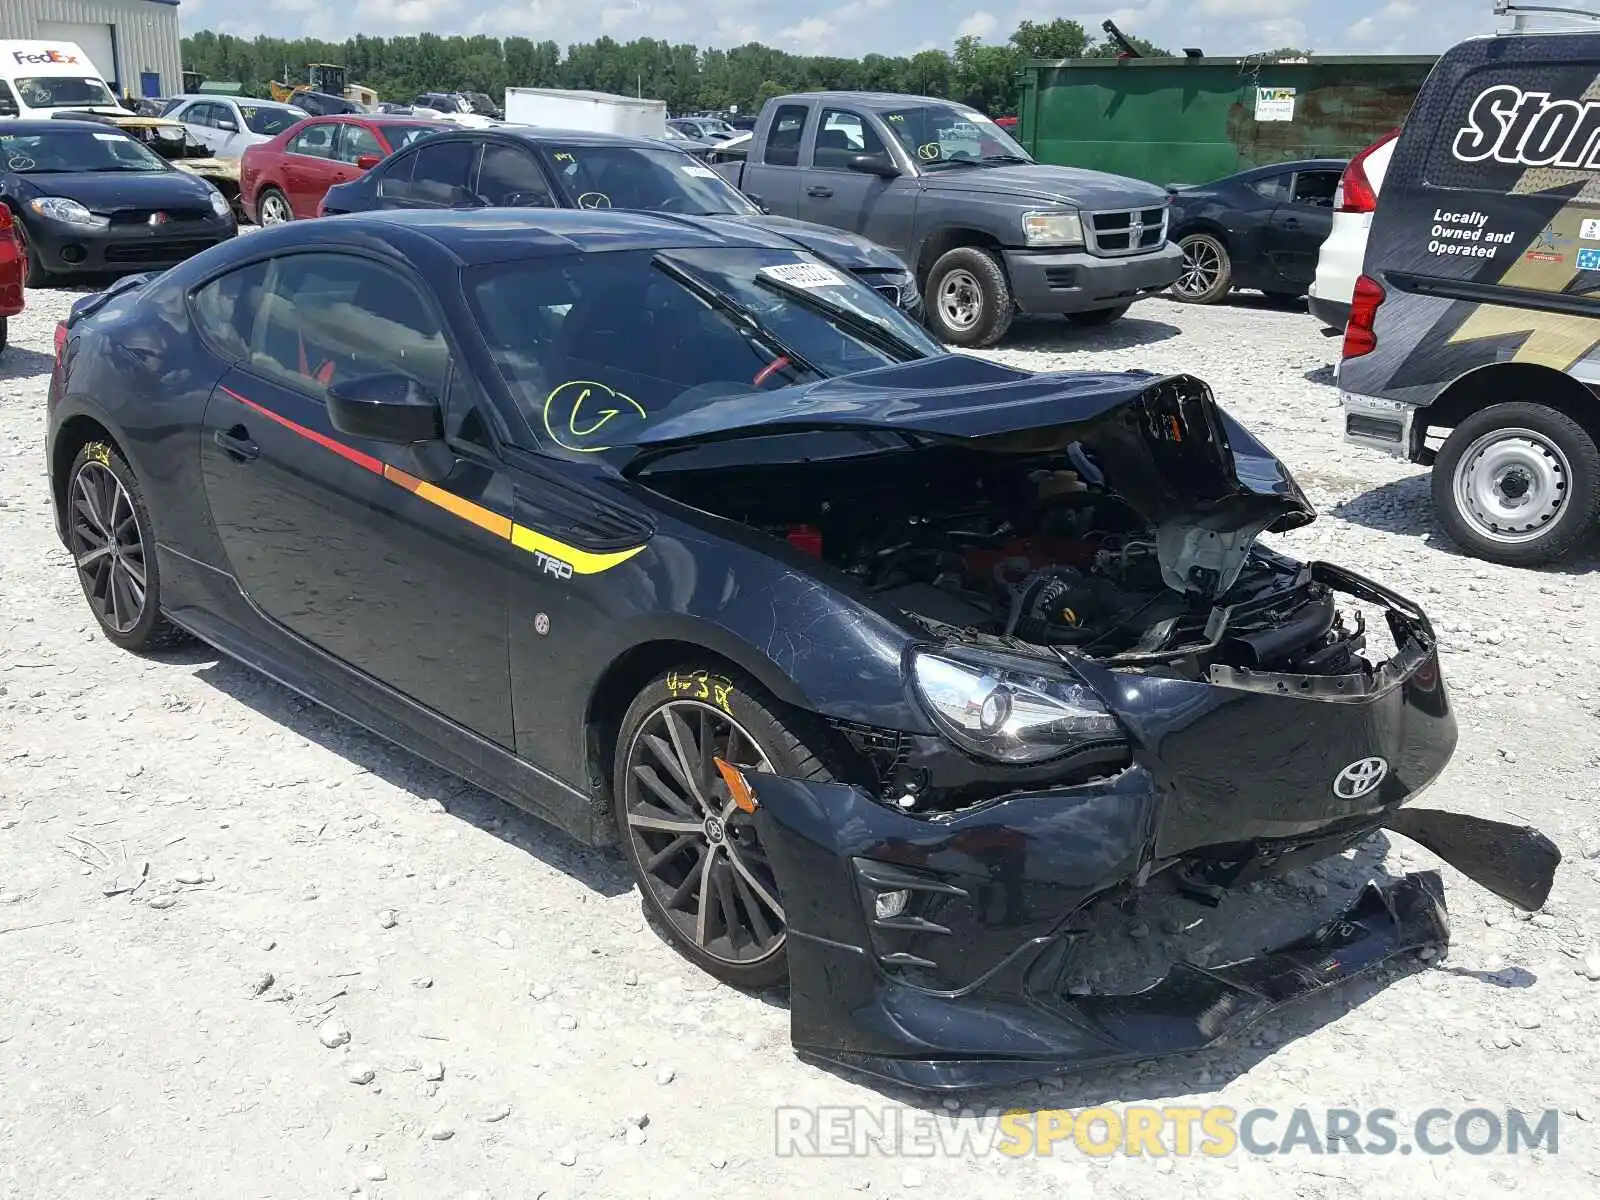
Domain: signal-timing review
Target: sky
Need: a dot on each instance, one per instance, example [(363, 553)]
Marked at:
[(855, 27)]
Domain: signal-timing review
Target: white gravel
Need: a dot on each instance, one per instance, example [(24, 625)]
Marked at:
[(172, 1043)]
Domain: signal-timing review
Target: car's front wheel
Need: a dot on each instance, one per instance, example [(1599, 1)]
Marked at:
[(110, 537), (968, 298), (1518, 484), (699, 863)]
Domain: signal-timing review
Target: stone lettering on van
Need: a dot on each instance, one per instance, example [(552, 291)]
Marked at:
[(1508, 125)]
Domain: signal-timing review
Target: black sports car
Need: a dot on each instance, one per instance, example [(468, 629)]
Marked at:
[(882, 662), (86, 197), (1259, 229), (536, 168)]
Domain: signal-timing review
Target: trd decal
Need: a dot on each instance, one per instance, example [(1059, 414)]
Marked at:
[(554, 557), (1508, 125)]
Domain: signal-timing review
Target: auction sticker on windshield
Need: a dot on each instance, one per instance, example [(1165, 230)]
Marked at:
[(699, 172), (803, 275)]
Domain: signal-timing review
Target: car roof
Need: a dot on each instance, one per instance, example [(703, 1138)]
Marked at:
[(250, 100), (508, 234)]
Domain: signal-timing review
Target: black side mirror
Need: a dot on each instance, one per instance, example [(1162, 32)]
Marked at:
[(386, 408), (880, 165)]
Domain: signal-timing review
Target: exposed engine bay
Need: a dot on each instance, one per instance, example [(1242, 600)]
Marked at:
[(1039, 554)]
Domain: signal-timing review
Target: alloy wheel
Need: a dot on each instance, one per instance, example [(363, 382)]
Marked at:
[(1511, 485), (1202, 267), (275, 210), (107, 547), (960, 299), (697, 851)]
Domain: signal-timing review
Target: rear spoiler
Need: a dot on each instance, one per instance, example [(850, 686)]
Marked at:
[(87, 306)]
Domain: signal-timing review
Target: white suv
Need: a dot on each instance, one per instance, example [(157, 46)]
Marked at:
[(1339, 262)]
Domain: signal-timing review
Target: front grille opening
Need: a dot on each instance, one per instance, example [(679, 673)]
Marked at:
[(154, 252), (1127, 231), (1061, 279)]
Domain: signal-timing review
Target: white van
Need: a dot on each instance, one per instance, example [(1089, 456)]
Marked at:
[(39, 79)]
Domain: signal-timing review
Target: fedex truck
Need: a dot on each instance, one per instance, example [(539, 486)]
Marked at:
[(41, 78)]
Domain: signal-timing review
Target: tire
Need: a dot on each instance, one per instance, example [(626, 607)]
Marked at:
[(1518, 484), (1207, 270), (978, 308), (103, 493), (700, 700), (37, 276), (1098, 316), (3, 334), (271, 200)]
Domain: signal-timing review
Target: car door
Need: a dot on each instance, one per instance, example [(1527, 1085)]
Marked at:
[(440, 176), (232, 133), (201, 118), (834, 194), (509, 176), (773, 178), (1301, 224), (308, 167), (337, 541)]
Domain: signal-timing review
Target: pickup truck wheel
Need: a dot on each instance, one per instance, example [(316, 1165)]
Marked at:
[(969, 298), (1098, 316), (1518, 484), (1207, 274)]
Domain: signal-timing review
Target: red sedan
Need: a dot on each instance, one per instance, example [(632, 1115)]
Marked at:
[(13, 272), (284, 179)]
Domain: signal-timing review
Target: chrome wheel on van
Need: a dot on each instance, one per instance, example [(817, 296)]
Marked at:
[(1511, 484)]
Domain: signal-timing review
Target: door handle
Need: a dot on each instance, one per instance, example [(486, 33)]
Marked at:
[(236, 444), (1291, 223), (822, 193)]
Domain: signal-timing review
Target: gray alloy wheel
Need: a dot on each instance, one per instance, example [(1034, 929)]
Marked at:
[(107, 548), (1207, 272), (273, 208)]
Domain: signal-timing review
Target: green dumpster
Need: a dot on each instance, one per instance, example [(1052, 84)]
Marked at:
[(1192, 120)]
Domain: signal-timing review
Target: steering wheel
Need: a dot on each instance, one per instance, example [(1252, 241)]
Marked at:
[(673, 203), (771, 369)]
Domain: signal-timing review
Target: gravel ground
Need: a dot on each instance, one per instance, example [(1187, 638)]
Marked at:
[(348, 973)]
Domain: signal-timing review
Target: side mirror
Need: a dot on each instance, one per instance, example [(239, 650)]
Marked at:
[(365, 162), (875, 164), (228, 126), (386, 408)]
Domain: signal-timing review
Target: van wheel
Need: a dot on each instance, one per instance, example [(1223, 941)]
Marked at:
[(1518, 484), (1207, 274), (702, 872), (968, 298)]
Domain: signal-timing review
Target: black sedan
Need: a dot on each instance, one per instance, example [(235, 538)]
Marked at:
[(542, 168), (882, 663), (86, 197), (1259, 229)]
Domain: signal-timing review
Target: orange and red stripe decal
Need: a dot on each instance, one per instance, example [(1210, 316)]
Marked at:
[(582, 562)]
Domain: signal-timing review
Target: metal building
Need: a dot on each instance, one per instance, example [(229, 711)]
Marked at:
[(133, 43)]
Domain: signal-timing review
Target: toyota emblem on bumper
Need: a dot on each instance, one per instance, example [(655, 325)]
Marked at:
[(1359, 778)]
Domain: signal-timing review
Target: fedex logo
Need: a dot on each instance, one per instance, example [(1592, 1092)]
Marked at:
[(48, 56)]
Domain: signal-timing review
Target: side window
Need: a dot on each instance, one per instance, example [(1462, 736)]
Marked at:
[(841, 136), (354, 141), (441, 171), (1273, 187), (1316, 187), (511, 178), (8, 100), (196, 114), (226, 309), (316, 141), (226, 117), (395, 183), (784, 134), (325, 318)]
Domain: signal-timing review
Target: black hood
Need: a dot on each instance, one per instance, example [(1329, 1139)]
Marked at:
[(848, 251), (108, 191), (1202, 481), (1093, 190)]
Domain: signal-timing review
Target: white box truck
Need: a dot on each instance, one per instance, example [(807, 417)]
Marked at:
[(592, 112), (41, 77)]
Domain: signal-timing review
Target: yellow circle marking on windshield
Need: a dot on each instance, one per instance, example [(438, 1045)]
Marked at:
[(929, 151), (580, 408), (594, 200)]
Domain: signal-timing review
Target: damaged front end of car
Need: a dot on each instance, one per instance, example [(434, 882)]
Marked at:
[(1109, 680)]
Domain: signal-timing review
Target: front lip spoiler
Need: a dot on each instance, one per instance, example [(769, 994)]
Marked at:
[(1194, 1006)]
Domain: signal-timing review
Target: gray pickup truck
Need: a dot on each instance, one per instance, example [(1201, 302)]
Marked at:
[(988, 231)]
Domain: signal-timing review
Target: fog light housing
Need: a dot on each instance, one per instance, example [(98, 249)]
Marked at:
[(888, 905)]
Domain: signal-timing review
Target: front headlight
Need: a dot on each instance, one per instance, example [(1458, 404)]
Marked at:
[(1052, 229), (219, 203), (1010, 714), (59, 208)]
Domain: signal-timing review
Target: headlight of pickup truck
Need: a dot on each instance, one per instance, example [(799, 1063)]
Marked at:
[(1013, 716), (1052, 229)]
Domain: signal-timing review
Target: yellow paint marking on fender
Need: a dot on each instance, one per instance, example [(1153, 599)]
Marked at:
[(583, 562)]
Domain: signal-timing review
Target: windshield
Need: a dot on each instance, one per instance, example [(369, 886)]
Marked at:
[(597, 346), (269, 120), (62, 91), (940, 134), (75, 150), (635, 177)]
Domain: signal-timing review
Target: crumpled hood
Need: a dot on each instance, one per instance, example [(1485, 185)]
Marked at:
[(1093, 190), (849, 251), (1204, 483)]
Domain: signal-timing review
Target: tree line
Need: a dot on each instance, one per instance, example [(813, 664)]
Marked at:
[(688, 78)]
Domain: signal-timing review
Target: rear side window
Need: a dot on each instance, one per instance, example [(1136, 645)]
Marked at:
[(326, 318), (226, 308), (783, 136), (315, 141), (441, 171)]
